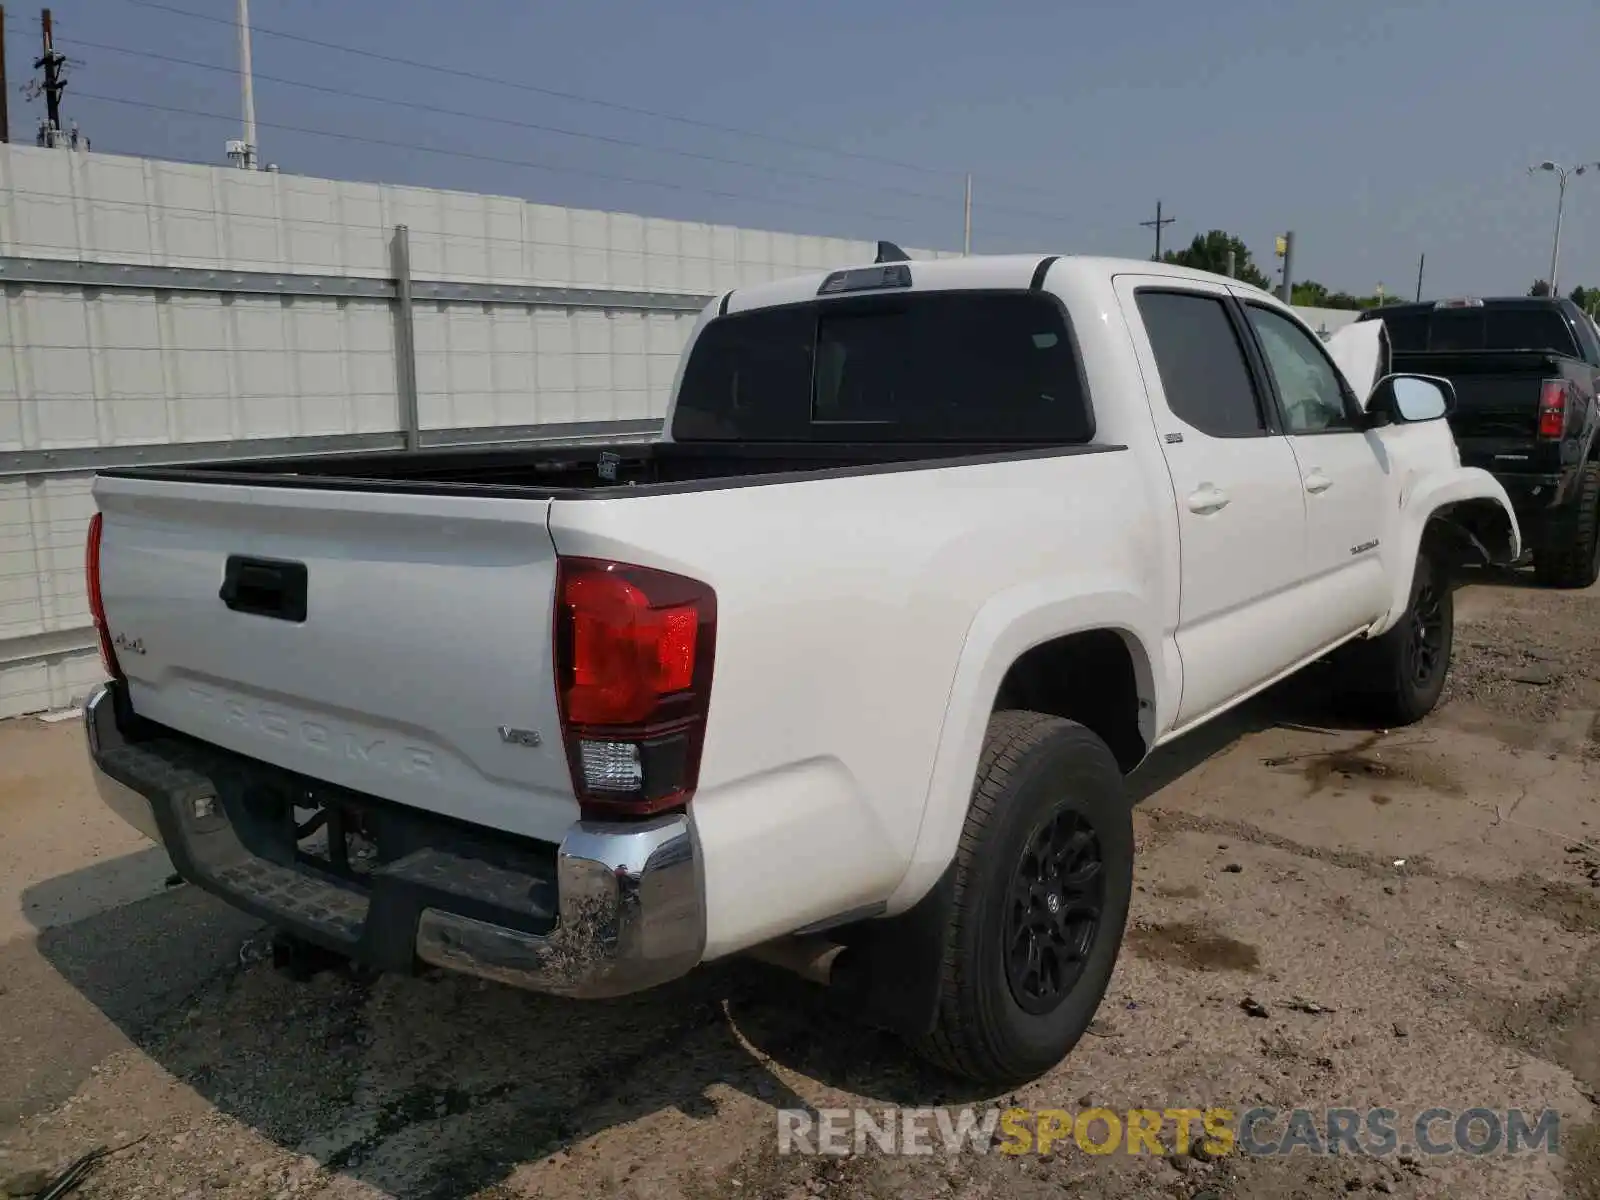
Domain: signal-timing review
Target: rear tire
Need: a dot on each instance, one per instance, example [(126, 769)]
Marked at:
[(1044, 874), (1570, 557), (1399, 676)]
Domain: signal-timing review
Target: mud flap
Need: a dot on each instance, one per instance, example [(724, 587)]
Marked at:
[(890, 968)]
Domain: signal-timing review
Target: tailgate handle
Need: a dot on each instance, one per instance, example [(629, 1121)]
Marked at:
[(266, 587)]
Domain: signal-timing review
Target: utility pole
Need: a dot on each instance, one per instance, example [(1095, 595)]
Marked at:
[(1287, 293), (51, 62), (1421, 259), (1233, 264), (1157, 225), (967, 224)]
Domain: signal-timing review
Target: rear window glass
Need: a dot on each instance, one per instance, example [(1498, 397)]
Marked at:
[(942, 366), (1409, 332), (1523, 327)]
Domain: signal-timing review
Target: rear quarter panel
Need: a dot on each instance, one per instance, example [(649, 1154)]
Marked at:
[(844, 607), (865, 624)]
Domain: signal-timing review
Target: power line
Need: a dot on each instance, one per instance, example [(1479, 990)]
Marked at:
[(530, 125), (888, 189), (527, 164), (457, 74)]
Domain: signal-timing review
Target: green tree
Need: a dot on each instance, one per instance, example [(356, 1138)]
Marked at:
[(1209, 252), (1587, 299), (1541, 287), (1311, 294)]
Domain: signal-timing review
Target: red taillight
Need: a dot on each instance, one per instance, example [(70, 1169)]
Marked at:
[(633, 654), (1553, 408), (97, 605)]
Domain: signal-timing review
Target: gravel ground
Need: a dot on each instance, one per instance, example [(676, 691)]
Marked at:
[(1325, 917)]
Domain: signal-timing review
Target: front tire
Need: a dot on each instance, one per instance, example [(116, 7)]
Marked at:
[(1044, 874), (1401, 675)]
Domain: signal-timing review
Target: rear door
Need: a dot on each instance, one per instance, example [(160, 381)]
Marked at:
[(378, 641), (1241, 511)]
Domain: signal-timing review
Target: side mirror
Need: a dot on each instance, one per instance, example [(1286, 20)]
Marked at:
[(1408, 399)]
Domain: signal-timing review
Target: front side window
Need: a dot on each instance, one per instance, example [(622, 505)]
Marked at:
[(1308, 383)]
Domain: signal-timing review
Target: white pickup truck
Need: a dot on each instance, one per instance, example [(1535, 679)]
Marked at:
[(857, 656)]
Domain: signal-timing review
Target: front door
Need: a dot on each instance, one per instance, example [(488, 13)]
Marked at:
[(1343, 472), (1241, 508)]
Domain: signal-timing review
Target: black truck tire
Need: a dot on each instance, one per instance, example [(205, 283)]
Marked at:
[(1044, 874), (1569, 556), (1398, 676)]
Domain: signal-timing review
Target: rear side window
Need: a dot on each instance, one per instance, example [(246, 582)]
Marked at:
[(939, 366), (1203, 369), (748, 378)]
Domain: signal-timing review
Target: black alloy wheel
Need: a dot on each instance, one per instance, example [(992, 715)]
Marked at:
[(1425, 640), (1053, 911)]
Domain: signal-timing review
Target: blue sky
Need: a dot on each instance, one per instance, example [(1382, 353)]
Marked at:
[(1377, 131)]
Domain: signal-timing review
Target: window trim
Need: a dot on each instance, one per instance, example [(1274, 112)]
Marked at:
[(867, 300), (1266, 406), (1352, 405)]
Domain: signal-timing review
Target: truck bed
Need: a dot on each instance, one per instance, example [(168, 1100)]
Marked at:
[(378, 621), (576, 472)]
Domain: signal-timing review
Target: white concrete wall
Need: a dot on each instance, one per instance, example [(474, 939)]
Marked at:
[(1326, 320), (46, 654)]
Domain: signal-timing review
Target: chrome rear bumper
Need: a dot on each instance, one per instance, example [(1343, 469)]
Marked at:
[(626, 910)]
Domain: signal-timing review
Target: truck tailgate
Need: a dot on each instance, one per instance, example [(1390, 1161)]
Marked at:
[(425, 629), (1497, 391)]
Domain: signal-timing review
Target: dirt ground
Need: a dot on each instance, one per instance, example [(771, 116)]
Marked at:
[(1325, 917)]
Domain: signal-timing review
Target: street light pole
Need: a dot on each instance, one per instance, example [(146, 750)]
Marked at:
[(1562, 174)]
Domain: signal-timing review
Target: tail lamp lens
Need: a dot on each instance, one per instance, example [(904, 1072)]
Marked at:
[(633, 653), (1553, 408), (97, 606)]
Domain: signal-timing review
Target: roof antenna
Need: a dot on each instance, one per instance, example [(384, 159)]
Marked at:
[(889, 252)]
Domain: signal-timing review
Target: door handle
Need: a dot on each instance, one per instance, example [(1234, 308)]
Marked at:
[(1207, 499), (1317, 482)]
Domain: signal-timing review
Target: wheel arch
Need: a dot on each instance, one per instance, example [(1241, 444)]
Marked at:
[(1458, 517), (1113, 627)]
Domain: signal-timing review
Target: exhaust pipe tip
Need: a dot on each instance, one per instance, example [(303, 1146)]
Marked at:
[(812, 958)]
